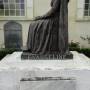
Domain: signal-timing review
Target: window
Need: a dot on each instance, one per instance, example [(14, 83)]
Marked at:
[(87, 8), (12, 7)]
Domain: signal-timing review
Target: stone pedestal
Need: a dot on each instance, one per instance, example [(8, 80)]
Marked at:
[(45, 74)]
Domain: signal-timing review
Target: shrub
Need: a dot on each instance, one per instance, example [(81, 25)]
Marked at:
[(73, 47), (5, 51), (74, 44), (85, 51)]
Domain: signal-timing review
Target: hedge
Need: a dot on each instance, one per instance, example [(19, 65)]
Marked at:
[(75, 46), (4, 52), (86, 51)]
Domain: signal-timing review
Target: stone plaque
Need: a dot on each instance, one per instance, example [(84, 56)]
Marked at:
[(48, 83)]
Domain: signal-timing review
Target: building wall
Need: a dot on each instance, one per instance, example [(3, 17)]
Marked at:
[(37, 8), (1, 34), (78, 24), (77, 27), (41, 7)]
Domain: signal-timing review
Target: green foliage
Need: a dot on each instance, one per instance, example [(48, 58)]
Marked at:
[(4, 52), (85, 51), (87, 38), (72, 47), (74, 44), (75, 47)]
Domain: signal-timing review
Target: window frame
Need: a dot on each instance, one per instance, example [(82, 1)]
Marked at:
[(80, 8), (3, 16), (88, 10)]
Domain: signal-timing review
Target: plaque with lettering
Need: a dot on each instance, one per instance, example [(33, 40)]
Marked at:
[(48, 83)]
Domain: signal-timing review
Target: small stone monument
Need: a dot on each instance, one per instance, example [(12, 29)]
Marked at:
[(48, 34)]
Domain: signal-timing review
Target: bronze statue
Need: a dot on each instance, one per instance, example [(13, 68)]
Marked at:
[(48, 34)]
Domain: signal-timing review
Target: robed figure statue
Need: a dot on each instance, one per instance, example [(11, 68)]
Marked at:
[(48, 34)]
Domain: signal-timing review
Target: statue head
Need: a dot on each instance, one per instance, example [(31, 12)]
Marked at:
[(52, 1), (68, 0)]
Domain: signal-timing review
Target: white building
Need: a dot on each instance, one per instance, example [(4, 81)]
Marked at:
[(16, 16)]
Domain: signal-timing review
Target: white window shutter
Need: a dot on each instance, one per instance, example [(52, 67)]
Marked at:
[(80, 9), (29, 9)]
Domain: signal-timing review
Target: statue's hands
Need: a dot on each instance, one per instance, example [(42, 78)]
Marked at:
[(38, 18), (41, 17)]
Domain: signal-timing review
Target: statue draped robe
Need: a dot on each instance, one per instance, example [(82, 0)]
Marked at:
[(49, 33), (63, 27)]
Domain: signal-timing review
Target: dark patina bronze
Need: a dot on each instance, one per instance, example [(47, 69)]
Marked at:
[(48, 34)]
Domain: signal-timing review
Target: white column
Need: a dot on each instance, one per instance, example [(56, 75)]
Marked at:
[(29, 9), (80, 9)]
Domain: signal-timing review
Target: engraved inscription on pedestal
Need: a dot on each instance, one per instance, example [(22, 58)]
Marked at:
[(48, 83)]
